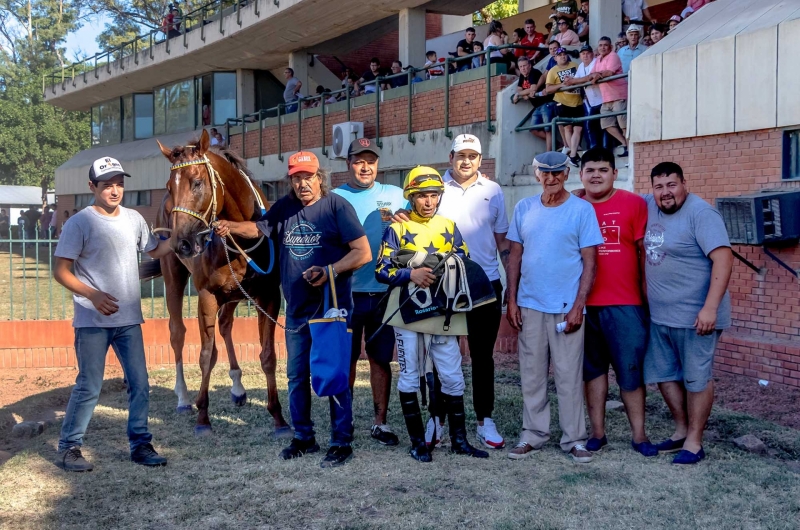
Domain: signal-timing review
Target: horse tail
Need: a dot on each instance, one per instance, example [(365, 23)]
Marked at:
[(149, 270)]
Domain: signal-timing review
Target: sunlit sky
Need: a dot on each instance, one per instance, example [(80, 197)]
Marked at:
[(82, 42)]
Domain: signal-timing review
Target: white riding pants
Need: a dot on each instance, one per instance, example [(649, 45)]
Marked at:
[(443, 351)]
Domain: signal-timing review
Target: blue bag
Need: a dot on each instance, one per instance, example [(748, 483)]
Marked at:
[(331, 346)]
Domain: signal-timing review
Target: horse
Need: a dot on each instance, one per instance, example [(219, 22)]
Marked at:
[(207, 184)]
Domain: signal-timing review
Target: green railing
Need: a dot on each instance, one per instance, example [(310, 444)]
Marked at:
[(29, 292), (196, 19), (410, 73)]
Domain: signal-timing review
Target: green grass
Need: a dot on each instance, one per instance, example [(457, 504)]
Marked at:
[(234, 480)]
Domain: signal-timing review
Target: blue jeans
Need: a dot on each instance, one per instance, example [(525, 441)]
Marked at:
[(298, 369), (91, 346), (592, 131)]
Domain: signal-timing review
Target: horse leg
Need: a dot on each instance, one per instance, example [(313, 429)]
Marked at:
[(238, 392), (176, 276), (206, 316), (272, 304)]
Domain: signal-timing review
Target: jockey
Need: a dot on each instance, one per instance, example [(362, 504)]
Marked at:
[(426, 235)]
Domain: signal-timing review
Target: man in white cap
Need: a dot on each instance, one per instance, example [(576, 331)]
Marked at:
[(97, 259), (634, 48), (477, 206)]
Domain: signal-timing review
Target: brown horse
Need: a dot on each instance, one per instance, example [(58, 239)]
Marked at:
[(205, 185)]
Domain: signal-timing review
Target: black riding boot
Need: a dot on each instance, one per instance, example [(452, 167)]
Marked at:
[(416, 431), (454, 405)]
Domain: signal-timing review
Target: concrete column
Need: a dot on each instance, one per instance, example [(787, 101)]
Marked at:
[(245, 92), (455, 24), (605, 20), (527, 5), (298, 61), (412, 36)]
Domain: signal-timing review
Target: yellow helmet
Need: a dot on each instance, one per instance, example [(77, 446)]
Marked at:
[(422, 178)]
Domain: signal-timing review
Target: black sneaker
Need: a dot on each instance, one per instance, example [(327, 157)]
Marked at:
[(337, 456), (145, 455), (298, 448), (575, 161), (71, 459), (383, 434)]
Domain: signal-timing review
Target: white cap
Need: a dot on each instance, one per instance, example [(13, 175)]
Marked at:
[(106, 168), (463, 142), (634, 27)]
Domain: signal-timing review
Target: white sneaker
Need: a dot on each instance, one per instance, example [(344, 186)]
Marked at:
[(565, 150), (430, 431), (488, 435), (435, 428)]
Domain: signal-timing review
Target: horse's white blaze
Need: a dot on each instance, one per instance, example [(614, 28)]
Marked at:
[(180, 386), (237, 388), (177, 179)]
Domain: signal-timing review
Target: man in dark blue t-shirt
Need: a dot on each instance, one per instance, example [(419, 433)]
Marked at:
[(313, 229)]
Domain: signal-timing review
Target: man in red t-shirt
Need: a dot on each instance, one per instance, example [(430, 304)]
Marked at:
[(616, 321), (531, 38)]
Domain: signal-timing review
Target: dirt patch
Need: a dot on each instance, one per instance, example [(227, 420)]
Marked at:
[(776, 403)]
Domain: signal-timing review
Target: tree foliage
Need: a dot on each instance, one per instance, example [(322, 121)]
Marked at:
[(495, 11)]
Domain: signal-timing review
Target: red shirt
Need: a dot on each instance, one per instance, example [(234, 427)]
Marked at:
[(537, 40), (623, 221)]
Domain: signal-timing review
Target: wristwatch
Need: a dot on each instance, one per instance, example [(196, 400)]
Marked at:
[(335, 274)]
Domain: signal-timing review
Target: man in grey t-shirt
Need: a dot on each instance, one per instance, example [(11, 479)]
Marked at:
[(688, 266), (97, 259), (293, 86)]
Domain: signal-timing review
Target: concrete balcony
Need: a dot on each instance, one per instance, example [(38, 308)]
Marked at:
[(260, 35)]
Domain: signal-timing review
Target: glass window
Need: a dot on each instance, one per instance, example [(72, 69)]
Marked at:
[(136, 198), (107, 123), (395, 178), (83, 200), (180, 106), (143, 115), (160, 110), (791, 155), (224, 105), (275, 190), (127, 118), (203, 94)]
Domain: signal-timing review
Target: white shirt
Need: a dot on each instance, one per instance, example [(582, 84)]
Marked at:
[(479, 213), (593, 95), (633, 9)]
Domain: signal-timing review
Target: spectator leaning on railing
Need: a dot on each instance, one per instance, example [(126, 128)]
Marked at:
[(395, 82), (465, 47), (293, 86), (615, 93), (371, 75), (593, 99), (569, 103)]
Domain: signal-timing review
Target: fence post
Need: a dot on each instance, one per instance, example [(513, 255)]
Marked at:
[(378, 141), (260, 138), (108, 61), (151, 44), (256, 10), (239, 12), (36, 255), (168, 39), (347, 91), (244, 136), (221, 31), (447, 132), (203, 24), (228, 130), (185, 21), (489, 125), (411, 72), (96, 75), (280, 149), (322, 113), (299, 124), (10, 272), (554, 134), (136, 50)]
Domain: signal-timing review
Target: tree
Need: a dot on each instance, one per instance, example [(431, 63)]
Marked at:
[(495, 11)]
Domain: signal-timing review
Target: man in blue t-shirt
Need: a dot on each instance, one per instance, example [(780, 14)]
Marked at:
[(313, 229), (374, 204)]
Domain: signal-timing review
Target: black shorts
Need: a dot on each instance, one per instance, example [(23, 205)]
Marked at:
[(368, 310), (565, 111), (616, 335)]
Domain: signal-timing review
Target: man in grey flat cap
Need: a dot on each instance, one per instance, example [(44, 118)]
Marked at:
[(554, 238)]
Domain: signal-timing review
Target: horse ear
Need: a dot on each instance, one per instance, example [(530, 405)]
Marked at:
[(166, 152), (205, 143)]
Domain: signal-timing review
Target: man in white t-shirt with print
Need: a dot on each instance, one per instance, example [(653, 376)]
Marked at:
[(593, 99)]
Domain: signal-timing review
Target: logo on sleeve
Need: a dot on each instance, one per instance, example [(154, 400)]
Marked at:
[(653, 241)]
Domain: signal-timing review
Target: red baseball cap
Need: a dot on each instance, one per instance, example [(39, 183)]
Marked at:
[(303, 161)]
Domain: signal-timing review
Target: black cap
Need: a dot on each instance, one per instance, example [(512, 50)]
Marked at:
[(363, 145), (586, 48)]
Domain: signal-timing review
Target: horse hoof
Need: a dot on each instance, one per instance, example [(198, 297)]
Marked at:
[(283, 433), (201, 431), (239, 400), (184, 409)]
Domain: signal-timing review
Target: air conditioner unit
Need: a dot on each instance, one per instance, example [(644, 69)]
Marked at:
[(762, 218), (343, 135)]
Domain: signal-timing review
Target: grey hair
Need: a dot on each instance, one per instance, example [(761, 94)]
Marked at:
[(324, 183)]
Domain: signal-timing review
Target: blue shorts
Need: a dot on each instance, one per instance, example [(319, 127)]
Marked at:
[(543, 114), (680, 354), (617, 336)]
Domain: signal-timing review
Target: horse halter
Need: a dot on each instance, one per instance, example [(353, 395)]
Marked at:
[(210, 215)]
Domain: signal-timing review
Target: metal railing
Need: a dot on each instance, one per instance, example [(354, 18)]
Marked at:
[(379, 82), (29, 292), (197, 18)]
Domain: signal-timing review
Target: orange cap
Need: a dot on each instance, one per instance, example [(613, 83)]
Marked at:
[(303, 161)]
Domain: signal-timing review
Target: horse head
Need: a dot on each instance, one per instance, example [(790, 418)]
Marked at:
[(196, 194)]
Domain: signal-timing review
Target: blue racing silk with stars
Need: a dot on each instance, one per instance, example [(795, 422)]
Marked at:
[(318, 234), (434, 235)]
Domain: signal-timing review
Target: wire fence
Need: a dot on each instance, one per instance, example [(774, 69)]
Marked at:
[(28, 290)]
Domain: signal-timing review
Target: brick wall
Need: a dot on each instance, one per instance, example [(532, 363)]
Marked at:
[(467, 105), (764, 341), (385, 48)]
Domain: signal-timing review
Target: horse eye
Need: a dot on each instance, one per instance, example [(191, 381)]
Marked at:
[(196, 184)]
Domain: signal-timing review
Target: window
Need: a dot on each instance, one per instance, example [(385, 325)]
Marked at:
[(143, 115), (180, 106), (107, 123), (83, 200), (224, 105), (275, 190), (127, 118), (203, 94), (394, 178), (791, 155), (160, 110), (136, 198)]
